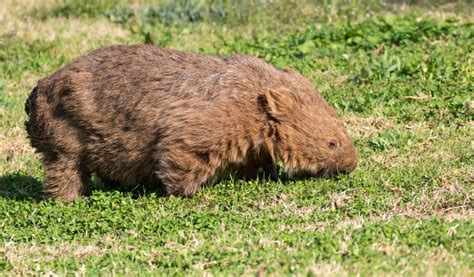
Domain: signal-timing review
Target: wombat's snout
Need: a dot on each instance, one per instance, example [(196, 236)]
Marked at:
[(347, 160), (348, 166), (343, 152), (344, 158)]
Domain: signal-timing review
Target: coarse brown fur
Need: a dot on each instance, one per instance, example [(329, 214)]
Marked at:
[(143, 114)]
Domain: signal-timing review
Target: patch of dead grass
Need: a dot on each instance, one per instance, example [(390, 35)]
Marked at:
[(327, 269), (15, 151), (72, 36), (65, 29), (22, 256), (16, 145), (462, 213), (433, 143), (10, 9), (426, 264), (366, 127)]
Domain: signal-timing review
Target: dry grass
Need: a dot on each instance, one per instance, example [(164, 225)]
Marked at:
[(21, 256), (366, 127), (66, 29)]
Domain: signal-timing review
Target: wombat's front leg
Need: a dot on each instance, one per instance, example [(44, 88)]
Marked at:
[(270, 172), (250, 170), (182, 173), (64, 178), (107, 182)]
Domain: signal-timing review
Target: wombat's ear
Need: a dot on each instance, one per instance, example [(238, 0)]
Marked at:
[(278, 102)]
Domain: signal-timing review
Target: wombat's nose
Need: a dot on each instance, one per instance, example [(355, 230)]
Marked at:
[(349, 162), (351, 166)]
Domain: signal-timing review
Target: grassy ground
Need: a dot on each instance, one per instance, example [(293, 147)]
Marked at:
[(402, 77)]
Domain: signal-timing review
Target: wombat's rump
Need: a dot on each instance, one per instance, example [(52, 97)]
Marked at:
[(143, 114)]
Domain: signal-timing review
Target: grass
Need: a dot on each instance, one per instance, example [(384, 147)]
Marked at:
[(401, 76)]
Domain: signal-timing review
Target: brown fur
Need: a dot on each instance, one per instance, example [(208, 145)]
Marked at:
[(142, 114)]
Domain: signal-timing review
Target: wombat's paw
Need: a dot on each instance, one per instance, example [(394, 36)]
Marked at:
[(181, 190), (41, 195), (252, 172), (61, 196), (270, 173)]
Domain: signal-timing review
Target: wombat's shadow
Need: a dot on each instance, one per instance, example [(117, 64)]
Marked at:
[(21, 187), (27, 188), (136, 191)]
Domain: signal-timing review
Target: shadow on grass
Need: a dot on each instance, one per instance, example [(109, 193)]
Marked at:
[(26, 188), (20, 187), (136, 191)]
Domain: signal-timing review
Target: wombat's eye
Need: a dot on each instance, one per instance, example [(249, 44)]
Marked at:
[(332, 144)]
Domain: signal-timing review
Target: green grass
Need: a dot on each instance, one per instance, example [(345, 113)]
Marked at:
[(402, 77)]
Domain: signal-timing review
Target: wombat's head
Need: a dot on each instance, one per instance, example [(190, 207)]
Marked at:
[(308, 135)]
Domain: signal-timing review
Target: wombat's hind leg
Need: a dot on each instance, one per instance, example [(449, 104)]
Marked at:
[(106, 182), (186, 184), (183, 173), (65, 178)]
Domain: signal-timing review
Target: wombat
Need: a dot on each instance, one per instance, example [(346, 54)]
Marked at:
[(142, 114)]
